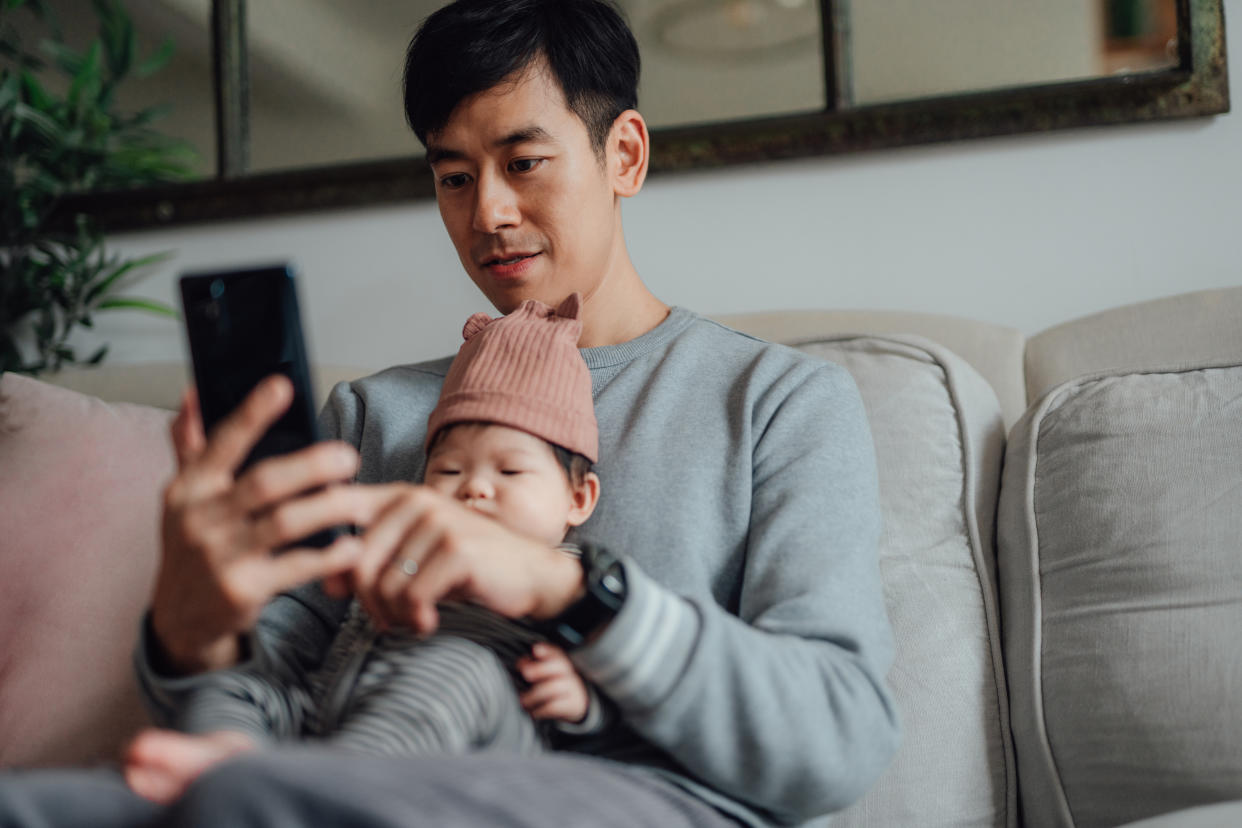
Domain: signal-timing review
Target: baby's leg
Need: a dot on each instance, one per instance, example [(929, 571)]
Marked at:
[(442, 695)]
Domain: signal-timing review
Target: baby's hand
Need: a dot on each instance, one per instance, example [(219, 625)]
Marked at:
[(161, 764), (557, 691)]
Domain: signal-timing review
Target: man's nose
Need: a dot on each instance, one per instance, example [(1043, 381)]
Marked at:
[(495, 206)]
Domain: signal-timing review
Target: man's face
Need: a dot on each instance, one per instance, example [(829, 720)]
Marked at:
[(523, 195)]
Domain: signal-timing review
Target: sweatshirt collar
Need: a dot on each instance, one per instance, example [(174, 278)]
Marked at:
[(605, 356)]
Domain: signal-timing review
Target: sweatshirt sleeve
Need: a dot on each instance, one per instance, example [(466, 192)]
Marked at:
[(782, 706), (264, 694)]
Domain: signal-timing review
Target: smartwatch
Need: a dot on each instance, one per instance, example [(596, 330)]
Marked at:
[(603, 576)]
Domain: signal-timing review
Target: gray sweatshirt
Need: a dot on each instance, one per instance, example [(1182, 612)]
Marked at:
[(739, 487)]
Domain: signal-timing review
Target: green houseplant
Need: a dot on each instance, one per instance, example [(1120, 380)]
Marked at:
[(61, 132)]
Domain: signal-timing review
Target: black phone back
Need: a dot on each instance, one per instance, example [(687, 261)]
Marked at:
[(242, 326)]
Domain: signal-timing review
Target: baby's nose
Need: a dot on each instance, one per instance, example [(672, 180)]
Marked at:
[(474, 487)]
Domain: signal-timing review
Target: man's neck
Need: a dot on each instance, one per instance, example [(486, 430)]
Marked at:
[(619, 313)]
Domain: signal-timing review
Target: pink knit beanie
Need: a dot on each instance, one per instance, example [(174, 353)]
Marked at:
[(523, 371)]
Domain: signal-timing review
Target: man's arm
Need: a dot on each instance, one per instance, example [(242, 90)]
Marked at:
[(784, 706), (263, 695)]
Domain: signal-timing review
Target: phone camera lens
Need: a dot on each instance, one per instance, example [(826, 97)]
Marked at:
[(217, 289)]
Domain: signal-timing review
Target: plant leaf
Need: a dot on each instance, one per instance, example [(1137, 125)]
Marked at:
[(157, 60), (69, 61), (36, 94), (86, 81), (45, 125), (8, 91), (102, 287), (132, 303), (117, 31)]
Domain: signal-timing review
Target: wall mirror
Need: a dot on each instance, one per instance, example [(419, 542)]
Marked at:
[(295, 104)]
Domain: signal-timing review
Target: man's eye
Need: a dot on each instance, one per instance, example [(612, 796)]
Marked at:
[(523, 165), (454, 182)]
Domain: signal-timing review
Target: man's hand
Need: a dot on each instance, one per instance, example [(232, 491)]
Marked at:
[(217, 568), (161, 764), (557, 691), (425, 547)]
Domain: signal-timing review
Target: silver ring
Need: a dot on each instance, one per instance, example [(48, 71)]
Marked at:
[(409, 566)]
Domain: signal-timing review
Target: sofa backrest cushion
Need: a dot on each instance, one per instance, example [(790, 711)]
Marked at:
[(995, 351), (161, 384), (1120, 551), (939, 438), (1189, 329), (79, 483)]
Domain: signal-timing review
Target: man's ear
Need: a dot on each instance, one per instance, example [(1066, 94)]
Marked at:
[(629, 151), (585, 496)]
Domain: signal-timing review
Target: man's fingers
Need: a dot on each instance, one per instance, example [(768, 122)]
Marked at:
[(187, 429), (299, 517), (278, 479), (298, 566), (396, 522), (440, 576), (338, 585), (237, 433), (390, 587)]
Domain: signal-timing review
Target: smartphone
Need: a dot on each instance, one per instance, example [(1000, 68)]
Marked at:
[(243, 326)]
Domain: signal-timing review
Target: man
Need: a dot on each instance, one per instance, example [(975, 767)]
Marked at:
[(741, 634)]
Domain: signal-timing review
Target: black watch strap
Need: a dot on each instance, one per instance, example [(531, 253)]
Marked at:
[(603, 577)]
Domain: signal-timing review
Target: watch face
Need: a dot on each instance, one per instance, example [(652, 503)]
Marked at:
[(609, 578), (613, 580)]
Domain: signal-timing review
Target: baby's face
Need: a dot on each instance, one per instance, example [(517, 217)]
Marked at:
[(509, 475)]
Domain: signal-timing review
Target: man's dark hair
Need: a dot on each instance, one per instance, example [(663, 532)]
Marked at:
[(472, 45)]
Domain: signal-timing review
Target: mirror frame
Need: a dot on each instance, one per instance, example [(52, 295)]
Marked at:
[(1197, 86)]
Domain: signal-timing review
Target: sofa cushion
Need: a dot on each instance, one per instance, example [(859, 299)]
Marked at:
[(1199, 328), (995, 351), (1219, 815), (79, 531), (1120, 534), (939, 439)]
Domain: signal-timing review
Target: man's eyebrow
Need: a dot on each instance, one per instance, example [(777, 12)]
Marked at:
[(437, 154), (525, 135)]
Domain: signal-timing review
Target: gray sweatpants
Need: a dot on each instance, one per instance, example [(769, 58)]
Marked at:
[(306, 787)]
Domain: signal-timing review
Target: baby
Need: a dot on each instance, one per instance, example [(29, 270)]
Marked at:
[(513, 436)]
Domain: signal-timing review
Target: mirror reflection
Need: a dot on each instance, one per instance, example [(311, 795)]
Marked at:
[(902, 49), (321, 73), (326, 76)]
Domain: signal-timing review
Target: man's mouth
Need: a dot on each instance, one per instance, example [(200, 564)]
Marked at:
[(506, 261)]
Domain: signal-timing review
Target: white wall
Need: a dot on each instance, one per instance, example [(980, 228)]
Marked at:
[(1026, 231)]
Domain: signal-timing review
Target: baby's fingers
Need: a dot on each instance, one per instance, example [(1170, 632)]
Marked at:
[(541, 700)]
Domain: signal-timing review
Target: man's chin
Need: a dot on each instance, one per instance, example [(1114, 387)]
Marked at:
[(507, 298)]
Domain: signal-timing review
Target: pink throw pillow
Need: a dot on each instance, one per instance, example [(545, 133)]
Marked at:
[(80, 486)]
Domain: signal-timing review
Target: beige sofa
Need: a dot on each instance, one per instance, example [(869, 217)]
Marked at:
[(1062, 558)]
